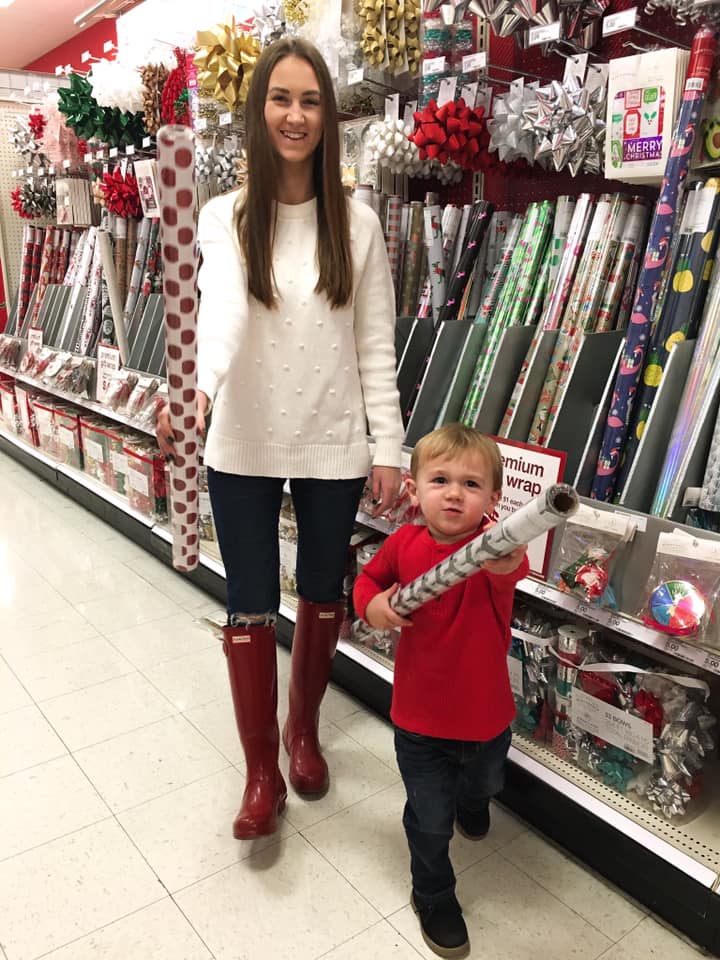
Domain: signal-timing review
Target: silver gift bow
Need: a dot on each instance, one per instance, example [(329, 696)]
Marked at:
[(551, 508)]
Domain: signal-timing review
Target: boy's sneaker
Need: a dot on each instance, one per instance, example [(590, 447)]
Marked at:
[(443, 927), (473, 824)]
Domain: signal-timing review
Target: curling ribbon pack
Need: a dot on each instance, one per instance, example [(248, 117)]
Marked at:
[(176, 167)]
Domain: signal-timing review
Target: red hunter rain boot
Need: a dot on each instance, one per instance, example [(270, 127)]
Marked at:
[(252, 666), (314, 642)]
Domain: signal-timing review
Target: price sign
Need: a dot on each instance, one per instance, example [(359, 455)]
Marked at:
[(474, 61), (673, 646), (355, 76), (712, 662), (614, 622), (544, 34), (88, 158), (225, 119), (113, 152), (448, 86), (617, 22), (129, 150), (35, 339), (108, 363), (146, 141), (433, 66), (541, 591)]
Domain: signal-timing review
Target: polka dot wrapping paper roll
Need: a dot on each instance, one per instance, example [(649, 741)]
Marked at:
[(176, 167)]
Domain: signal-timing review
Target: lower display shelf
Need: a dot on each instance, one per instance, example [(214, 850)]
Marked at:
[(673, 869)]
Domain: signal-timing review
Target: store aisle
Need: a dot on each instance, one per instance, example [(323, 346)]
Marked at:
[(120, 773)]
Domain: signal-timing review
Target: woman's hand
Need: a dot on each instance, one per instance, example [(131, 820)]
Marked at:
[(380, 614), (385, 488), (163, 430)]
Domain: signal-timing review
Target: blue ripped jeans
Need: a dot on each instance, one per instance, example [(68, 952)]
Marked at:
[(440, 775)]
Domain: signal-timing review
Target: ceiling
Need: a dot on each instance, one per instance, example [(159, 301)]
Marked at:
[(29, 29)]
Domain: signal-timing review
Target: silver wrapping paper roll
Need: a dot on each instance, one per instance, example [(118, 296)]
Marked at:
[(551, 508), (176, 168)]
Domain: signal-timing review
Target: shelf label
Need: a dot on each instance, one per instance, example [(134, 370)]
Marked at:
[(108, 363), (629, 733), (474, 61), (119, 462), (35, 339), (355, 76), (93, 450), (712, 662), (433, 66), (138, 481), (617, 22), (515, 672), (544, 33)]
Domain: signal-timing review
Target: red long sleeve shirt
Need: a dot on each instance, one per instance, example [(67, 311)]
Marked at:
[(451, 678)]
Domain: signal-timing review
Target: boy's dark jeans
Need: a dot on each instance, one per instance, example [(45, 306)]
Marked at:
[(440, 775)]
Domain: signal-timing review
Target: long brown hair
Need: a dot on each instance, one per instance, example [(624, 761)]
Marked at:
[(256, 215)]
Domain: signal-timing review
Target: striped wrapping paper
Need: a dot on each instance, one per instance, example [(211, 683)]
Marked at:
[(633, 355), (620, 272), (176, 172), (44, 278), (681, 309), (25, 291), (580, 316), (393, 241), (557, 295)]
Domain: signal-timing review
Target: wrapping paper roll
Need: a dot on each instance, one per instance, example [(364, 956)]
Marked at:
[(564, 210), (91, 312), (557, 295), (132, 240), (466, 263), (701, 383), (499, 273), (104, 243), (25, 273), (532, 263), (176, 171), (581, 313), (76, 256), (435, 264), (414, 261), (452, 216), (663, 224), (44, 278), (393, 240), (38, 247), (551, 508), (680, 313), (631, 239), (136, 277), (120, 231)]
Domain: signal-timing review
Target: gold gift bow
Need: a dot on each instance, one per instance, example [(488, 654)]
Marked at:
[(225, 61)]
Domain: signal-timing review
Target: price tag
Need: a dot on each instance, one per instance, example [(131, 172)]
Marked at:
[(108, 363), (582, 610), (392, 107), (544, 33), (35, 339), (355, 76), (433, 66), (100, 155), (66, 164), (130, 150), (201, 123), (113, 152), (474, 61), (617, 22), (85, 56), (146, 141), (108, 46), (448, 86), (469, 94), (88, 158), (615, 622), (408, 115), (541, 591), (58, 71), (712, 662), (41, 171), (576, 67), (123, 167)]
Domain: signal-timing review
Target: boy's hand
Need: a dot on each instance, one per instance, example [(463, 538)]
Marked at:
[(506, 564), (380, 615)]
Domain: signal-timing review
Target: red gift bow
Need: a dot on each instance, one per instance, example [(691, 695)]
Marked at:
[(121, 194), (453, 133), (17, 204), (650, 709)]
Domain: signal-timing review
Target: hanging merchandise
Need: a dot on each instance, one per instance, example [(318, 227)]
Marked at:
[(451, 133), (122, 196), (612, 313), (114, 85), (413, 265), (176, 167), (633, 355), (372, 16), (462, 276), (91, 121), (174, 105), (26, 137), (225, 61), (644, 94), (681, 310), (153, 76)]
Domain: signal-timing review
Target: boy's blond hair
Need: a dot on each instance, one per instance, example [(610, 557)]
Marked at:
[(454, 440)]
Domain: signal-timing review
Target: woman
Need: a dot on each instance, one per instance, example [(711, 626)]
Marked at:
[(295, 348)]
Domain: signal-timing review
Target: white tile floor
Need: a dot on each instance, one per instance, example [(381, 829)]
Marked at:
[(120, 773)]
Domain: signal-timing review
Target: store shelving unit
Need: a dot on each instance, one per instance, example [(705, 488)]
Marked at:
[(673, 869)]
